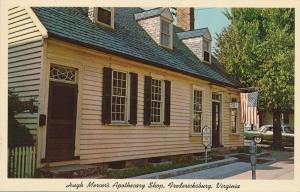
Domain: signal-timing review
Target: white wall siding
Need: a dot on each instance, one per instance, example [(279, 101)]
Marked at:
[(25, 55), (104, 143), (99, 143)]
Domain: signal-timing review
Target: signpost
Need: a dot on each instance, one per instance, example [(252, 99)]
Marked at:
[(206, 139)]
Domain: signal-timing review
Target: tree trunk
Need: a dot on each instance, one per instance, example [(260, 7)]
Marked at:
[(286, 117), (277, 137)]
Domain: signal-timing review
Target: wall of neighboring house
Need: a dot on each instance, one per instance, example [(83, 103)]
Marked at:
[(96, 143), (267, 119), (25, 55)]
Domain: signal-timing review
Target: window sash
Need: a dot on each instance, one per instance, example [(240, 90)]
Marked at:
[(165, 40), (156, 101), (165, 33), (206, 46), (119, 94), (165, 27), (104, 15), (197, 110)]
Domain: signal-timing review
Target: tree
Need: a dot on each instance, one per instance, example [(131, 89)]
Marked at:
[(18, 135), (257, 49)]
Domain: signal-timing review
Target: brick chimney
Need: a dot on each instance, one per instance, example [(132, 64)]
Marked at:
[(185, 17)]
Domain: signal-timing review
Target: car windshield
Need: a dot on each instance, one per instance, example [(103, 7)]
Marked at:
[(288, 130)]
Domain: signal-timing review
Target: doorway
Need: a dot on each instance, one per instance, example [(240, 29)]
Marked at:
[(61, 120), (216, 117)]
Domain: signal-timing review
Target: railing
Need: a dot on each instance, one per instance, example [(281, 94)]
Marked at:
[(22, 162)]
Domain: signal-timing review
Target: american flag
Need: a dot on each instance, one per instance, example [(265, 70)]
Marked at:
[(249, 108)]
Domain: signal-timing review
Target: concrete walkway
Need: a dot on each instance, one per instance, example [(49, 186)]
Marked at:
[(283, 169), (217, 172), (281, 166)]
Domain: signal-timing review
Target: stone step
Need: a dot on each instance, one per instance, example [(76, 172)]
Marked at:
[(70, 171)]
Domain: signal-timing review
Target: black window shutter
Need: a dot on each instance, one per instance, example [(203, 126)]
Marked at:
[(106, 99), (147, 100), (133, 98), (167, 102)]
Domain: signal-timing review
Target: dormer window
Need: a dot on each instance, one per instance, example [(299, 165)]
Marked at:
[(206, 51), (104, 16), (199, 42), (158, 23), (165, 36)]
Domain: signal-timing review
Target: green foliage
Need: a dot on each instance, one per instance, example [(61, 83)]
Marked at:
[(150, 168), (18, 135), (257, 49)]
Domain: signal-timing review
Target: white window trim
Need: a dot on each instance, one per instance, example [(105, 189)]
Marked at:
[(127, 99), (112, 17), (65, 81), (209, 49), (170, 30), (162, 109), (195, 87)]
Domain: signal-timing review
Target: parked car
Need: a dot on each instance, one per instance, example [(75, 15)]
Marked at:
[(248, 127), (265, 134)]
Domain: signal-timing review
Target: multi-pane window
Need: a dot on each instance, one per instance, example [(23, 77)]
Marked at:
[(119, 96), (197, 114), (156, 101), (165, 33), (104, 15), (206, 51), (234, 118), (205, 45)]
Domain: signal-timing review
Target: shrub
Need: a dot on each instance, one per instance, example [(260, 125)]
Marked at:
[(18, 135)]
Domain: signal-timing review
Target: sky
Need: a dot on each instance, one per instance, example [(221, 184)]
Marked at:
[(213, 18)]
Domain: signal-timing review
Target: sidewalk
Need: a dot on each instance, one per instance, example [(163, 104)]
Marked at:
[(279, 170), (281, 166), (217, 172)]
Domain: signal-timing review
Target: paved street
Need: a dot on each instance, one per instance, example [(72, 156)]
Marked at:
[(280, 166)]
